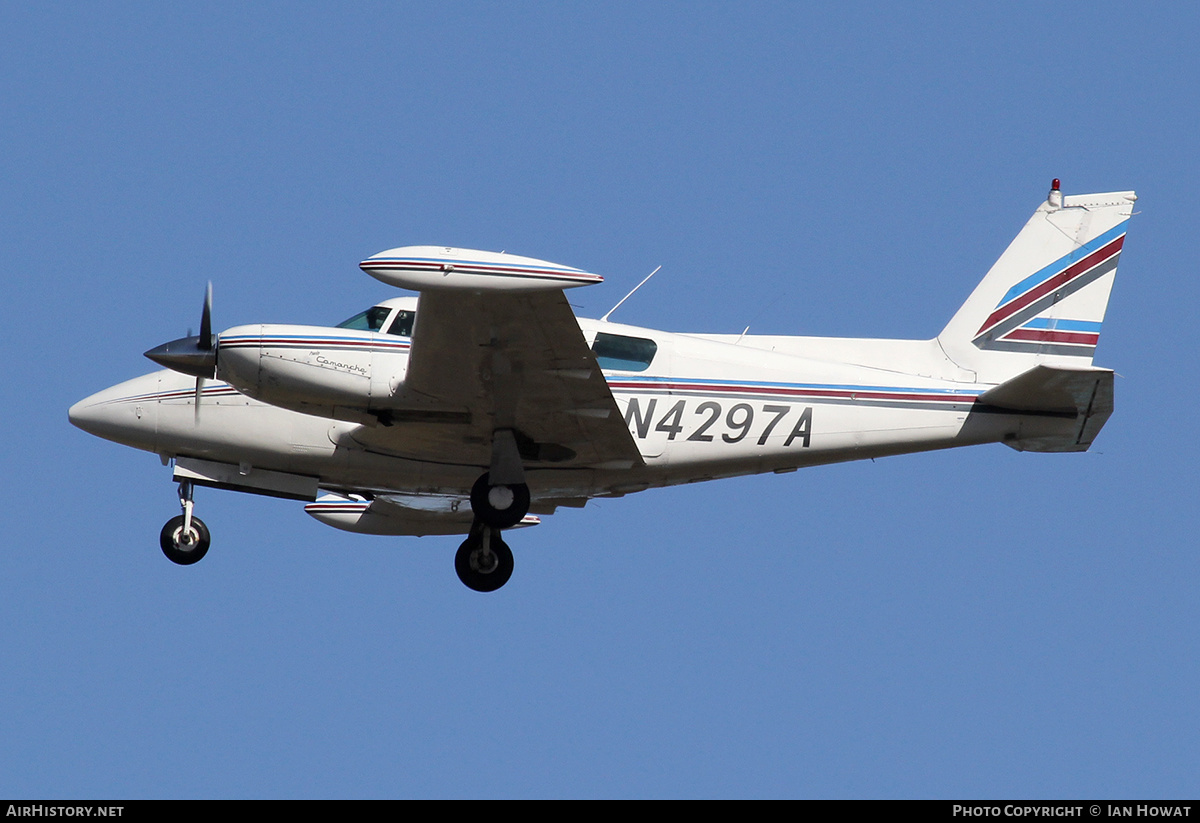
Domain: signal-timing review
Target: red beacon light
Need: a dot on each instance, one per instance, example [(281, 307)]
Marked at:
[(1055, 198)]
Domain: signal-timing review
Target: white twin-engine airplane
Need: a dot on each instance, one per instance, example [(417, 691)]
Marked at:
[(485, 402)]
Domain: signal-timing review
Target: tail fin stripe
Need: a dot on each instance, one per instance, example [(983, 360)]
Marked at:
[(1057, 324), (1044, 335), (1040, 348), (1101, 250), (1066, 260), (1078, 338), (1059, 287), (1048, 330)]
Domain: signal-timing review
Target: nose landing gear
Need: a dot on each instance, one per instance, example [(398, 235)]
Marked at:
[(184, 539)]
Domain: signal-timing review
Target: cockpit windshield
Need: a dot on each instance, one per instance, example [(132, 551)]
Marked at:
[(403, 324), (370, 320), (374, 318)]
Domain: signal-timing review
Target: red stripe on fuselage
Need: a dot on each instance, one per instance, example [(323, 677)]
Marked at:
[(854, 394)]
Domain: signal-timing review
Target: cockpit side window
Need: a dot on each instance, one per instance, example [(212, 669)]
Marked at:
[(403, 323), (370, 320), (615, 351)]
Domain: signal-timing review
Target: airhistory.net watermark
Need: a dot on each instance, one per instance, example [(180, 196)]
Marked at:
[(43, 810)]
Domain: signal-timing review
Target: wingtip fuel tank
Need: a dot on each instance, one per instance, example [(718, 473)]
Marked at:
[(442, 267)]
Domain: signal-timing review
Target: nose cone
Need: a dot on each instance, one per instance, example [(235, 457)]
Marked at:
[(93, 414), (125, 413), (82, 415), (187, 355)]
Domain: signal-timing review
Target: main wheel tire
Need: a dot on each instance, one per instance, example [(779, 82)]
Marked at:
[(500, 507), (179, 551), (473, 567)]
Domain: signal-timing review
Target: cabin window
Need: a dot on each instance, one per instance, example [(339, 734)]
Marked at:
[(403, 324), (370, 320), (615, 351)]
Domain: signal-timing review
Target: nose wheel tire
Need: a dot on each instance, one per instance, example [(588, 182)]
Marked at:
[(484, 562), (181, 548), (499, 506)]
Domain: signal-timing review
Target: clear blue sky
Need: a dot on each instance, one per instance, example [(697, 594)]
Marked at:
[(970, 623)]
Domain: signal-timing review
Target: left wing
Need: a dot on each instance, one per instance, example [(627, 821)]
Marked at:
[(510, 356)]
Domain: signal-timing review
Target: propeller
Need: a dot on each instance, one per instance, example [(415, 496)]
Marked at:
[(194, 355)]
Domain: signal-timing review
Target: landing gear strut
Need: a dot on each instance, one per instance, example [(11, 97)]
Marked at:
[(184, 539), (499, 500), (483, 562), (500, 497)]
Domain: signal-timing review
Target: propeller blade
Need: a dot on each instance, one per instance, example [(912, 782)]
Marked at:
[(204, 343), (206, 320), (199, 391)]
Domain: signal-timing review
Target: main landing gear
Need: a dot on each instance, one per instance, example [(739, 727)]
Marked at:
[(184, 539), (484, 562), (500, 506)]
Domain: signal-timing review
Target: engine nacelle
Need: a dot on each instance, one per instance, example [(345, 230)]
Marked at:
[(398, 514), (313, 369), (355, 515)]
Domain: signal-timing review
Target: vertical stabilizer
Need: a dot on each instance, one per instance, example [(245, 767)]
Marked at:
[(1044, 299)]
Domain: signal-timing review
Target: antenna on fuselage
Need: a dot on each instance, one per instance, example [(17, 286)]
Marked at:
[(604, 319)]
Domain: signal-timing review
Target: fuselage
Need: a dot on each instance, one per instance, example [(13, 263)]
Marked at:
[(699, 407)]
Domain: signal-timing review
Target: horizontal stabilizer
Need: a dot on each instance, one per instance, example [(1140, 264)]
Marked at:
[(1083, 393)]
